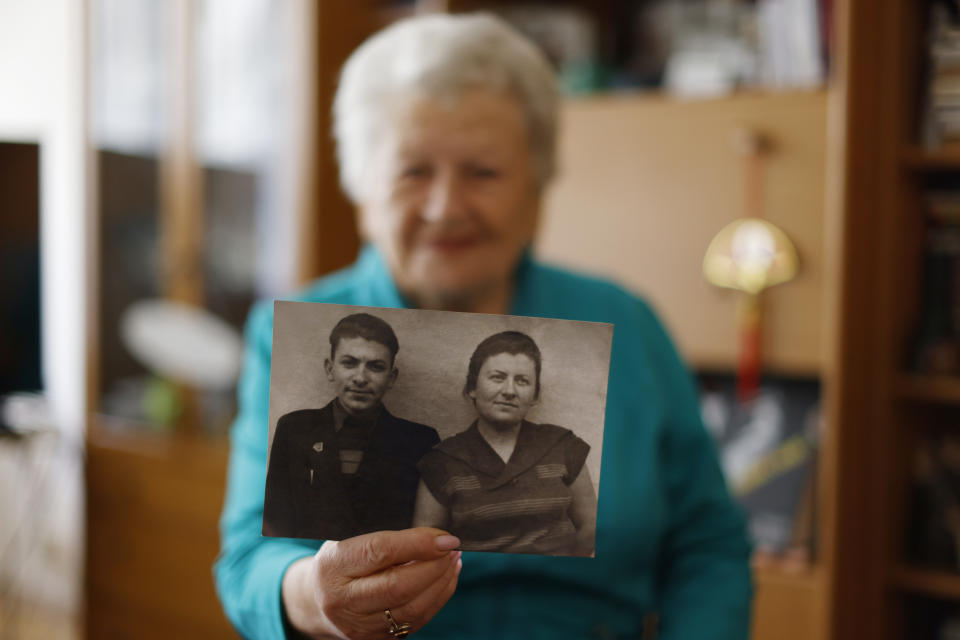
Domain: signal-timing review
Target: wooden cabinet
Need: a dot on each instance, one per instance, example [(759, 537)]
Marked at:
[(883, 410), (152, 510), (790, 606), (644, 185), (165, 210)]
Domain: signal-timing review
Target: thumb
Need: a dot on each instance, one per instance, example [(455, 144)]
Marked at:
[(372, 552)]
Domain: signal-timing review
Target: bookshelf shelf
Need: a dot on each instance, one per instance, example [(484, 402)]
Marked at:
[(806, 578), (929, 388), (945, 158), (797, 595), (931, 582)]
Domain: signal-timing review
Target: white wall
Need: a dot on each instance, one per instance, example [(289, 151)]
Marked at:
[(41, 100)]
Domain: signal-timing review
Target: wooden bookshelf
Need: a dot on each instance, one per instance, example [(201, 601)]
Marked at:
[(882, 413), (929, 388), (946, 158), (930, 582)]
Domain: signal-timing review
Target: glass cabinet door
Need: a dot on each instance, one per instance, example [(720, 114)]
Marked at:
[(194, 121)]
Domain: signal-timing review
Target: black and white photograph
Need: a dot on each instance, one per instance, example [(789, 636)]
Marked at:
[(486, 426)]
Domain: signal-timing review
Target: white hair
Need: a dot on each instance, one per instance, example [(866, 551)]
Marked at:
[(441, 55)]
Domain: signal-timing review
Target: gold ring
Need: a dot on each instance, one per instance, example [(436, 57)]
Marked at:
[(397, 629)]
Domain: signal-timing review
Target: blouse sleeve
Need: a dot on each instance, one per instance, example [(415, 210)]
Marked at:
[(574, 456), (249, 570), (436, 475), (704, 552)]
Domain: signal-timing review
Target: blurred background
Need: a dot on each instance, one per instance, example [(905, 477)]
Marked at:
[(164, 163)]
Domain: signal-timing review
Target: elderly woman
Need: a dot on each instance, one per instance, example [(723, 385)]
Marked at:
[(445, 128), (506, 484)]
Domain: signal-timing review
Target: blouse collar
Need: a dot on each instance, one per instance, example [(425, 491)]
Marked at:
[(470, 447), (383, 292)]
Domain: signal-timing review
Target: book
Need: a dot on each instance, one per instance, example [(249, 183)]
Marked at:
[(933, 536), (936, 342), (941, 121)]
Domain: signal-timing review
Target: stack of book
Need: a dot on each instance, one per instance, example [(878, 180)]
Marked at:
[(933, 535), (937, 344), (942, 124), (791, 36)]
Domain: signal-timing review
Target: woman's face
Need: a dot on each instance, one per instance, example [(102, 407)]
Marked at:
[(506, 388), (451, 200)]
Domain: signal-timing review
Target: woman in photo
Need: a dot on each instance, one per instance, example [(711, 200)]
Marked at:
[(507, 484)]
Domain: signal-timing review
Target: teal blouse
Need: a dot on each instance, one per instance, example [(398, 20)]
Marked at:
[(670, 540)]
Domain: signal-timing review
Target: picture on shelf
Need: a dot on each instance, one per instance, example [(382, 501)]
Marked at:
[(768, 451)]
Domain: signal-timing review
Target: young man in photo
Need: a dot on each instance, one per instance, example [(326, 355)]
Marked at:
[(350, 467)]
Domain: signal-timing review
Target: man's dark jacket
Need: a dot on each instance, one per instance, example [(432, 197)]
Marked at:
[(308, 497)]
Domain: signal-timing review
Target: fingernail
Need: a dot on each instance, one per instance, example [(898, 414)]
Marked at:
[(454, 556), (447, 543), (459, 565)]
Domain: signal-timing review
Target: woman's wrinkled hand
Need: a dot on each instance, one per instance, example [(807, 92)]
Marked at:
[(343, 590)]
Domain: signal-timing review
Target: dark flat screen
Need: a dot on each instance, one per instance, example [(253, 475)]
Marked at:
[(19, 267)]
